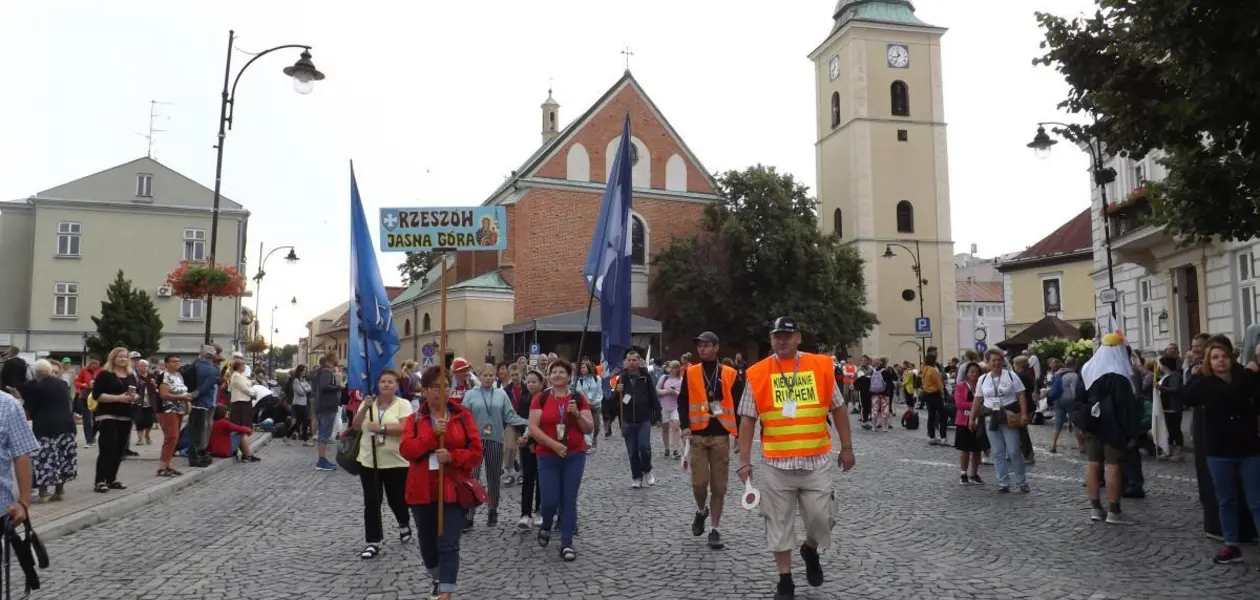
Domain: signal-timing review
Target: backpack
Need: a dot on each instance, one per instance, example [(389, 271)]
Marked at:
[(910, 419), (188, 373), (878, 384)]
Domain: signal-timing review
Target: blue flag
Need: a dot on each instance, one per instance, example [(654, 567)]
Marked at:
[(607, 269), (373, 339)]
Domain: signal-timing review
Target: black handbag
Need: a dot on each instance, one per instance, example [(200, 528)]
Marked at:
[(348, 451), (29, 551)]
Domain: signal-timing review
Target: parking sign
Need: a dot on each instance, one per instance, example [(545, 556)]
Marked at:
[(535, 348), (923, 327)]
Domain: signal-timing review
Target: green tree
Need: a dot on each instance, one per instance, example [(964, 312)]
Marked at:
[(128, 319), (1179, 76), (761, 255), (256, 346), (284, 356), (416, 264), (1086, 330)]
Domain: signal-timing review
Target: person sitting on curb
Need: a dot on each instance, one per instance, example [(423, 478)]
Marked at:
[(227, 438)]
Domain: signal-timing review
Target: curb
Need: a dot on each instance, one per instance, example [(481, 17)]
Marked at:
[(51, 530)]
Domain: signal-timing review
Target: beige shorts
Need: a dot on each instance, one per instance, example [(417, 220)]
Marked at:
[(710, 466), (782, 491)]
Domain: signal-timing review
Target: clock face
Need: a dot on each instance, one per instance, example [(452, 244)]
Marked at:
[(833, 67), (898, 56)]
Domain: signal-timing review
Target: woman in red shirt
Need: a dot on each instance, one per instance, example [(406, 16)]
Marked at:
[(227, 437), (559, 419), (459, 455)]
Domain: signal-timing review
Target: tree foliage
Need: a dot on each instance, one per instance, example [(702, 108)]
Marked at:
[(761, 255), (128, 319), (257, 345), (416, 264), (1179, 76), (284, 356)]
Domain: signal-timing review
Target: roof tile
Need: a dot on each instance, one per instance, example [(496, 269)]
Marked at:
[(1074, 236)]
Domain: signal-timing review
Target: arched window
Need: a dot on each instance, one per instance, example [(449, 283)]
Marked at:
[(835, 109), (638, 241), (905, 217), (428, 325), (838, 223), (406, 327), (900, 99), (551, 117)]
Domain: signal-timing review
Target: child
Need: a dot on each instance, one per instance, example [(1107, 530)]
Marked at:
[(966, 441), (228, 438)]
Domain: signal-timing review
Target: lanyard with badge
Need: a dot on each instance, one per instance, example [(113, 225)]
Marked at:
[(561, 404), (485, 403), (789, 403), (711, 389)]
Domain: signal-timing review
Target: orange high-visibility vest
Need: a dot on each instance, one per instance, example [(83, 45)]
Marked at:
[(698, 398), (805, 433), (850, 374)]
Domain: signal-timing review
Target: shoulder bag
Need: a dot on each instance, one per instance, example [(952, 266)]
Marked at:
[(348, 450), (469, 492)]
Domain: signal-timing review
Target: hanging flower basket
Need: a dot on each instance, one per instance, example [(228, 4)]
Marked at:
[(200, 280)]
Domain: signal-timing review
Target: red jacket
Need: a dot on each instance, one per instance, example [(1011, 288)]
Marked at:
[(83, 381), (462, 439), (220, 445)]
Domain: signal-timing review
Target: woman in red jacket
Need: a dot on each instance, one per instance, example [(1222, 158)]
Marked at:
[(460, 453)]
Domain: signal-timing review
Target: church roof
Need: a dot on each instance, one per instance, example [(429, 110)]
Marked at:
[(894, 12), (549, 149)]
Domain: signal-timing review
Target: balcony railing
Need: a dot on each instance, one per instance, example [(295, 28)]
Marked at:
[(1129, 216)]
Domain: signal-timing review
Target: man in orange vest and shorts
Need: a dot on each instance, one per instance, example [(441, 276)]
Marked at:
[(706, 415), (792, 393)]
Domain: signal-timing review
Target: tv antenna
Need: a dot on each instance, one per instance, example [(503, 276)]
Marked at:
[(154, 118)]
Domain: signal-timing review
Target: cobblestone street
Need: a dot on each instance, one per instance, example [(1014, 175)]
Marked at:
[(279, 529)]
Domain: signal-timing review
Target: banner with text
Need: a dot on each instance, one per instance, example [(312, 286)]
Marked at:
[(448, 228)]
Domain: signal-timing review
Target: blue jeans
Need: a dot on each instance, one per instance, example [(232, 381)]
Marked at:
[(1062, 413), (324, 425), (559, 480), (639, 446), (1007, 455), (440, 554), (1229, 477)]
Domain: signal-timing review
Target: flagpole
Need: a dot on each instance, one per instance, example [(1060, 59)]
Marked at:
[(590, 303), (441, 520)]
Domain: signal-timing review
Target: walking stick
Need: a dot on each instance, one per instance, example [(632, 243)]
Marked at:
[(441, 487)]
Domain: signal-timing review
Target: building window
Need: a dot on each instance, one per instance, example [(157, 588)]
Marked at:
[(68, 238), (1248, 285), (426, 324), (1051, 296), (838, 223), (144, 185), (407, 327), (1144, 291), (900, 99), (905, 217), (638, 241), (66, 300), (1148, 324), (1139, 175), (903, 135), (979, 311), (192, 309), (194, 244), (835, 109)]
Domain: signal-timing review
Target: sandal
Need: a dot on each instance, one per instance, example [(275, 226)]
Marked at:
[(175, 473), (568, 554), (100, 488), (370, 551), (404, 534), (117, 485), (165, 473), (544, 537)]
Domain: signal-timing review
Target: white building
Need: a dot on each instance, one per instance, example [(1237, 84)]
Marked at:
[(981, 303)]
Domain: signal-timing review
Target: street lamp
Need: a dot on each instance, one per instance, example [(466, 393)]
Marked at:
[(489, 352), (1103, 175), (291, 257), (918, 276), (304, 75)]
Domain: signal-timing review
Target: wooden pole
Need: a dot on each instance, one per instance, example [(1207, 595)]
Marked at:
[(443, 381)]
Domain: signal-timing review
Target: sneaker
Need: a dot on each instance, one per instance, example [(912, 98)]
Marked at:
[(932, 442), (1228, 555), (785, 591), (975, 479), (538, 521), (651, 479), (697, 524), (523, 523), (636, 483), (986, 461), (324, 465), (308, 443), (1097, 514), (492, 519), (963, 479), (715, 540), (1114, 518), (1136, 494), (1024, 489), (1004, 490), (89, 446), (813, 566)]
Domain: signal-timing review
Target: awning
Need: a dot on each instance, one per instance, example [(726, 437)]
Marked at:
[(572, 322), (1049, 327)]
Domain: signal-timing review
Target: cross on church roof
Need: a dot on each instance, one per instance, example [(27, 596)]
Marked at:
[(627, 52)]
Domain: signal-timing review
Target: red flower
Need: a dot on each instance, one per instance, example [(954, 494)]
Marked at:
[(200, 280)]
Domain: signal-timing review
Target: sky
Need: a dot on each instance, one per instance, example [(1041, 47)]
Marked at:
[(437, 102)]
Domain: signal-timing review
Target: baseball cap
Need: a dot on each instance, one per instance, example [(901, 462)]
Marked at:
[(66, 360), (133, 354), (707, 336), (784, 325)]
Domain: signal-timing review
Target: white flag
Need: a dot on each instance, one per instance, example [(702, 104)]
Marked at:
[(1159, 427)]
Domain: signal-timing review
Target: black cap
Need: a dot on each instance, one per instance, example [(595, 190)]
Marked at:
[(784, 325), (707, 336)]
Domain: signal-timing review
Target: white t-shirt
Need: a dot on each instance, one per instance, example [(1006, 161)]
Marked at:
[(999, 391)]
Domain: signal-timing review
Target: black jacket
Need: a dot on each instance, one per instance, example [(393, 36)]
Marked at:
[(1170, 391), (644, 404), (14, 372), (1121, 412), (1230, 409)]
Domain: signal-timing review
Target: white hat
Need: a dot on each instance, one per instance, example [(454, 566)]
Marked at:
[(133, 354), (238, 354)]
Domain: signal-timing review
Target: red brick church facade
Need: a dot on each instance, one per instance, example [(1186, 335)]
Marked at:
[(553, 201)]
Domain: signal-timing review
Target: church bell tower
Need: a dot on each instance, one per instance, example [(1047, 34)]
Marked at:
[(550, 118)]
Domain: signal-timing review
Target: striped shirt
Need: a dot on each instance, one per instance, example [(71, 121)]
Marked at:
[(748, 408), (16, 439)]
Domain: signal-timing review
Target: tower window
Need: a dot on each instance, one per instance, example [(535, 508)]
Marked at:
[(905, 217), (835, 109), (427, 323), (838, 223), (900, 99), (903, 135), (407, 328), (551, 118), (638, 241)]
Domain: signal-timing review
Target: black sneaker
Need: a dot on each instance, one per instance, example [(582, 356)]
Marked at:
[(468, 524), (813, 566), (697, 524), (963, 479), (975, 479), (715, 540), (785, 591), (492, 519)]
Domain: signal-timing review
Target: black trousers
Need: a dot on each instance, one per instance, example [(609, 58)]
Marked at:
[(393, 482), (864, 398), (531, 495), (302, 422), (1175, 436), (937, 419), (111, 436)]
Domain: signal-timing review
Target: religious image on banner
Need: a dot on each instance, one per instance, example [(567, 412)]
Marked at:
[(446, 228)]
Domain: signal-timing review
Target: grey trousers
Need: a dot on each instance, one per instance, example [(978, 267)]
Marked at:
[(492, 462)]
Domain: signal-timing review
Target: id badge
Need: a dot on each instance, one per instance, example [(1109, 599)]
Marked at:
[(433, 462), (560, 431), (715, 408), (625, 399), (487, 430), (789, 410)]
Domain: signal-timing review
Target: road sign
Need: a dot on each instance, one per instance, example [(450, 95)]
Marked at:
[(1108, 295), (923, 327), (982, 334), (981, 346), (535, 348), (429, 350)]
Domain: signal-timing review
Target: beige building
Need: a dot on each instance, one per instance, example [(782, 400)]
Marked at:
[(477, 309), (321, 337), (1051, 278), (883, 180), (62, 247)]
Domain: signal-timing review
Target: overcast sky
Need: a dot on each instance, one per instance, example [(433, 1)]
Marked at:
[(437, 102)]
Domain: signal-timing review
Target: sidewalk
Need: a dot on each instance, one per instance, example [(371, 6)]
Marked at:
[(84, 507)]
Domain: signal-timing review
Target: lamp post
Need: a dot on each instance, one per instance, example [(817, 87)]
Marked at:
[(291, 257), (1103, 175), (304, 75), (271, 345), (490, 352), (918, 277)]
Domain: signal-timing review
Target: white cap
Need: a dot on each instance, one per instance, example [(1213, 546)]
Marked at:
[(134, 354)]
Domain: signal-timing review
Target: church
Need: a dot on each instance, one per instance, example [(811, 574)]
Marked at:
[(533, 291), (883, 170)]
